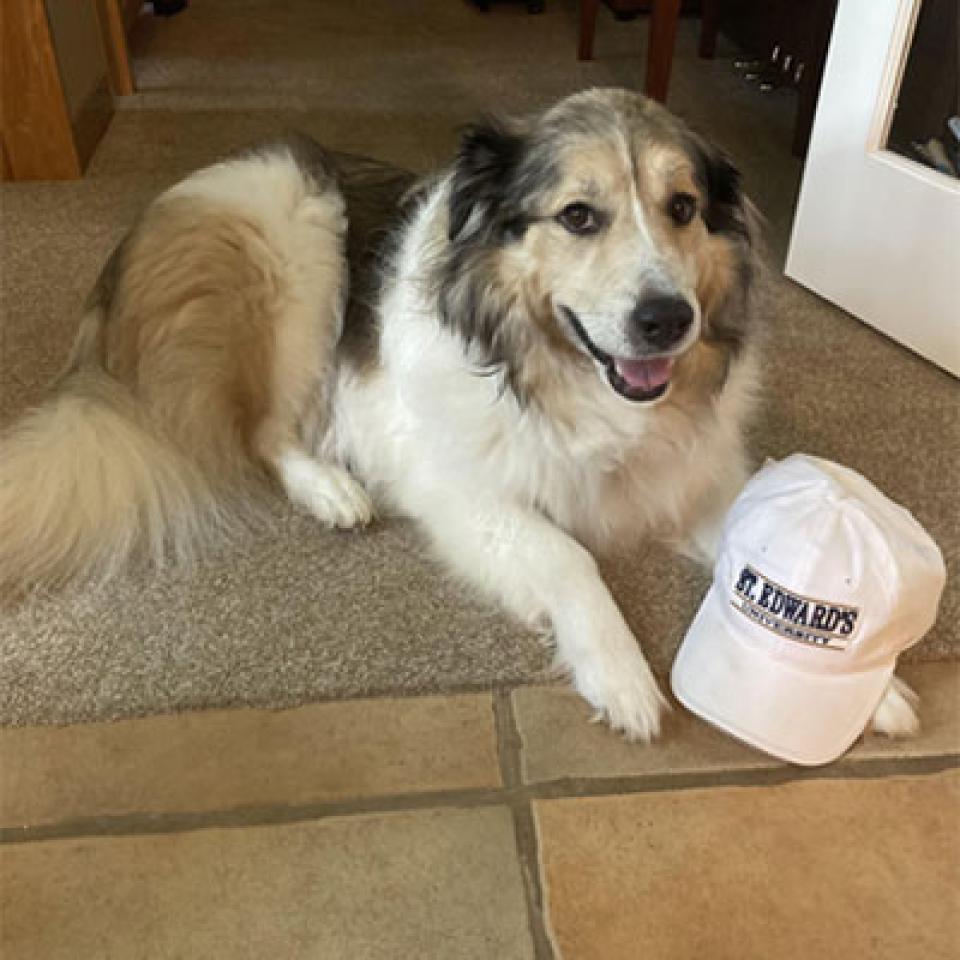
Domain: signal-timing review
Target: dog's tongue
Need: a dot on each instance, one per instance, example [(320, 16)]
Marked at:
[(645, 373)]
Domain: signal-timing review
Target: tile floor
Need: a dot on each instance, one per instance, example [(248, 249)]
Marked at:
[(491, 825)]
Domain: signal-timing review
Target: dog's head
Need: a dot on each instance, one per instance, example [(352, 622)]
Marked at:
[(605, 227)]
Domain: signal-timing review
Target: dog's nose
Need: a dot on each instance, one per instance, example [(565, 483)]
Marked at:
[(658, 323)]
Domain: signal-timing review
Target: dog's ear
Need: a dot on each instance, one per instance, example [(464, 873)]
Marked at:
[(729, 213), (485, 167), (726, 206)]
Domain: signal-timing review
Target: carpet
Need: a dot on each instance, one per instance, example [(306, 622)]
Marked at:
[(291, 613)]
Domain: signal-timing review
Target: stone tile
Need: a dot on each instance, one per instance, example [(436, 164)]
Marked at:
[(220, 760), (833, 869), (558, 741), (431, 884)]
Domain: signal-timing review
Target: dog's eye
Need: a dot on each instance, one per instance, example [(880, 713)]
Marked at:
[(682, 208), (579, 219)]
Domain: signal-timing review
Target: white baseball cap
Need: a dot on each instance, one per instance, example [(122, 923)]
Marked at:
[(819, 584)]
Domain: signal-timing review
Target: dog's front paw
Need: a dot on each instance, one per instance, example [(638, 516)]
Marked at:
[(625, 694), (896, 716)]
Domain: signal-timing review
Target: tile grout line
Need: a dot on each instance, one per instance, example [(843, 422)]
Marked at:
[(465, 688), (509, 751), (572, 788)]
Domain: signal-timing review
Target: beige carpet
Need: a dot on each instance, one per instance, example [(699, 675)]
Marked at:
[(293, 614)]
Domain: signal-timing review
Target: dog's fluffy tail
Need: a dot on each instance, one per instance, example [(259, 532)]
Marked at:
[(86, 482)]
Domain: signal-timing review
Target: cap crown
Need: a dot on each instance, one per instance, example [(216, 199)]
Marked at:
[(824, 571)]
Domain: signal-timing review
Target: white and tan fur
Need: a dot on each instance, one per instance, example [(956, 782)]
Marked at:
[(213, 354)]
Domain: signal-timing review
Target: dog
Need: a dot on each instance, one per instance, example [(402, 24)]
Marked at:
[(545, 349)]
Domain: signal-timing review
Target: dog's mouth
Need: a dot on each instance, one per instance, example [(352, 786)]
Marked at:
[(640, 379)]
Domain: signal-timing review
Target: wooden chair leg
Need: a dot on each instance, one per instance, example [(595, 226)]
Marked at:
[(709, 27), (663, 34), (588, 26)]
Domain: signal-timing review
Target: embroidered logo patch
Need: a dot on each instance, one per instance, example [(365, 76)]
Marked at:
[(795, 617)]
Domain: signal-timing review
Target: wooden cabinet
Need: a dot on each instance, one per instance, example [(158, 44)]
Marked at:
[(60, 59)]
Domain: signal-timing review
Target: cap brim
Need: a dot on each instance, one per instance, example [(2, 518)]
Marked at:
[(806, 718)]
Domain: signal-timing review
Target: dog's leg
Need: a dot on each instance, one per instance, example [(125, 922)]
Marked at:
[(304, 368), (325, 489), (896, 716), (702, 542), (533, 567)]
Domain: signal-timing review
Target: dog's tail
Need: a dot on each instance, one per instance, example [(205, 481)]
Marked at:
[(86, 481)]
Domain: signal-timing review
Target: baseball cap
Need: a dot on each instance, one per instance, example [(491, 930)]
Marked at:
[(820, 582)]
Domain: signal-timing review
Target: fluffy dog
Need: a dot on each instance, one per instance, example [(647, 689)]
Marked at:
[(545, 349)]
